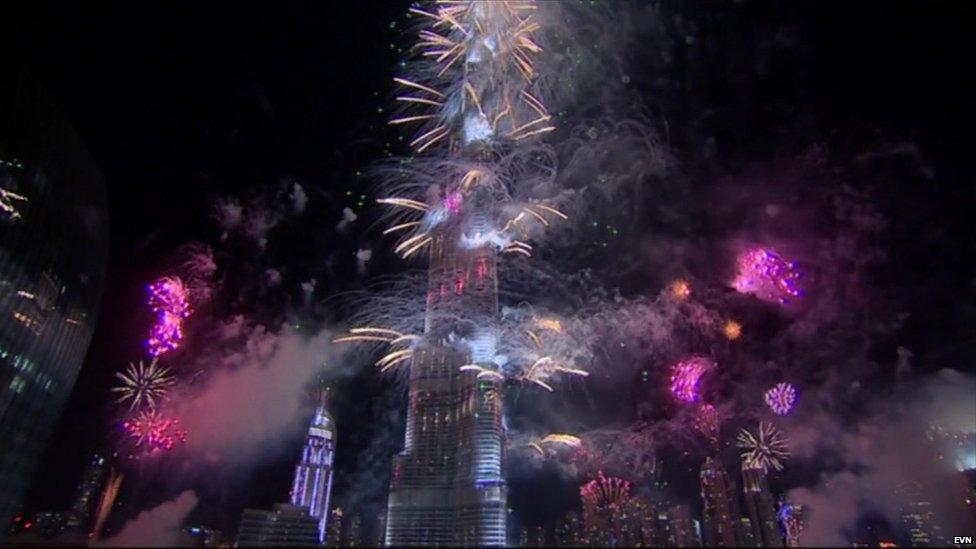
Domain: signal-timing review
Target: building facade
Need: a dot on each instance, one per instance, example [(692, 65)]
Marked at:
[(79, 516), (53, 252), (312, 484), (284, 526), (761, 507), (720, 517)]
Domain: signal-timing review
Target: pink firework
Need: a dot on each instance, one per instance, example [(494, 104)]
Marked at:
[(686, 377), (707, 422), (605, 492), (153, 431), (766, 275), (781, 398), (168, 298), (453, 201)]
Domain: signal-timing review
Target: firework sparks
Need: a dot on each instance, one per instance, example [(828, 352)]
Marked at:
[(732, 330), (7, 206), (767, 448), (686, 378), (383, 335), (153, 431), (781, 398), (168, 298), (680, 289), (143, 385), (768, 276), (106, 502), (605, 492), (707, 422), (545, 368)]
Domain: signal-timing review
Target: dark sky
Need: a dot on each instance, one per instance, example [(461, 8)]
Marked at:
[(183, 104)]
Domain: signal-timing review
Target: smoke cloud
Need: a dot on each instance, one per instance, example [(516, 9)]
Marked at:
[(157, 527)]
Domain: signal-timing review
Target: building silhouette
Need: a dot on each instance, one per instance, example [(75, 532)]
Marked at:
[(765, 529), (720, 516), (79, 517), (284, 526), (53, 251), (312, 484)]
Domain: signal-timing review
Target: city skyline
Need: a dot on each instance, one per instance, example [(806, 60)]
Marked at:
[(624, 273)]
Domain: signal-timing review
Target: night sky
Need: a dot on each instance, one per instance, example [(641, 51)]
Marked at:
[(795, 104)]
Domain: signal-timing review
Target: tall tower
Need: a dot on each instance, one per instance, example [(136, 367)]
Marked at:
[(312, 485), (475, 85), (761, 507), (78, 518), (719, 516)]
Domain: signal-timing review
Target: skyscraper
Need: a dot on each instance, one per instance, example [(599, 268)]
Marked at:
[(720, 517), (79, 516), (682, 529), (761, 507), (53, 250), (312, 485), (447, 486)]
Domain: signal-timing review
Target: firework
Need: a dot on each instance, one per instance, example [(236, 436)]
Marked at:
[(767, 448), (168, 298), (394, 338), (7, 206), (106, 501), (605, 492), (686, 378), (142, 385), (153, 431), (768, 276), (680, 289), (781, 398), (545, 368), (732, 330), (707, 422)]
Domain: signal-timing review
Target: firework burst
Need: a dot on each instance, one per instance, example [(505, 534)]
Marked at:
[(680, 289), (153, 431), (767, 448), (707, 422), (732, 330), (768, 276), (686, 378), (143, 385), (168, 298), (781, 398)]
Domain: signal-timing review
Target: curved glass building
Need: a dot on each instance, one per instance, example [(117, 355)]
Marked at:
[(53, 252)]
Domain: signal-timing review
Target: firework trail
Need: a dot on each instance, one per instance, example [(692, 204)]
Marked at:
[(555, 440), (153, 431), (768, 276), (7, 206), (143, 385), (168, 298), (686, 378), (781, 398), (107, 501), (767, 448)]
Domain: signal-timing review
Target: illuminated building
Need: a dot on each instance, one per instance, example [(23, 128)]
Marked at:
[(53, 250), (334, 535), (567, 534), (719, 516), (380, 531), (202, 536), (682, 528), (79, 516), (284, 526), (917, 516), (761, 507), (312, 484)]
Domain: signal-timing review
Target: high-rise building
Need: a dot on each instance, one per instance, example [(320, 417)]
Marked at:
[(334, 535), (683, 530), (720, 517), (380, 533), (312, 485), (447, 486), (918, 517), (284, 526), (761, 507), (53, 250), (79, 516)]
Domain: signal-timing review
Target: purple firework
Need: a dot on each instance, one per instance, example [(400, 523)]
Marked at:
[(781, 398), (686, 377), (766, 275)]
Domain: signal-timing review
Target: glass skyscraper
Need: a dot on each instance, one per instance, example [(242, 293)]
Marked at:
[(312, 485), (53, 250)]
